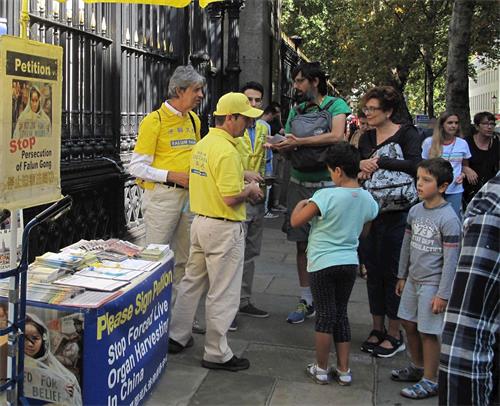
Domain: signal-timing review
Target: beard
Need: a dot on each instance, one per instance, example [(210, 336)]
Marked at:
[(300, 97)]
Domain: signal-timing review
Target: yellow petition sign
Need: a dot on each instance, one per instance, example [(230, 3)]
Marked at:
[(30, 125)]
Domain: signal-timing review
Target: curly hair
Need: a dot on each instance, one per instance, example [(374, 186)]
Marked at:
[(387, 96)]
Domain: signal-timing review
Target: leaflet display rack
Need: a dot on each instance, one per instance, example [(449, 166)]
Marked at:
[(122, 345)]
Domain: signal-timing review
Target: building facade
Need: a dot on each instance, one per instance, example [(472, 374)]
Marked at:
[(484, 90)]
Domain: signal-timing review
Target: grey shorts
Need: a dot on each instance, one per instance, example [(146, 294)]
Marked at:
[(416, 306), (296, 192)]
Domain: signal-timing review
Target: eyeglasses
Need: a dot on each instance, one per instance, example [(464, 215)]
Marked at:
[(488, 124), (370, 110)]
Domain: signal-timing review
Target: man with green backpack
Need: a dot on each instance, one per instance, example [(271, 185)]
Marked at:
[(316, 122)]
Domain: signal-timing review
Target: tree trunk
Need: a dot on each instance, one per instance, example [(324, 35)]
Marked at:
[(431, 80), (457, 82)]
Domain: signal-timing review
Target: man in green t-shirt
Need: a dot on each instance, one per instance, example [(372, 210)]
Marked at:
[(309, 82)]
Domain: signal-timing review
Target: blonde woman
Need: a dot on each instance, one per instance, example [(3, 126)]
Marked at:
[(446, 143)]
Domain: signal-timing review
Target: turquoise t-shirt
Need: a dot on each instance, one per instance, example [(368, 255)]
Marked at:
[(334, 235), (339, 106)]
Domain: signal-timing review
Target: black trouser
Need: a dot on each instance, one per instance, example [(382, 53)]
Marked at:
[(331, 288), (381, 250)]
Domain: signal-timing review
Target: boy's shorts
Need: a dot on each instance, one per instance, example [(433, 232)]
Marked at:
[(416, 306)]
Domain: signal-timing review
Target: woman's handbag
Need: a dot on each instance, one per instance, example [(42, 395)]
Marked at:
[(393, 190)]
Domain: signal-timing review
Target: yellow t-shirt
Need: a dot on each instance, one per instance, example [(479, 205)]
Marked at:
[(216, 172), (254, 159), (169, 139)]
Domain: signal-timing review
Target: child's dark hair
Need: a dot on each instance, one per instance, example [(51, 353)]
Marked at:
[(344, 156), (440, 168)]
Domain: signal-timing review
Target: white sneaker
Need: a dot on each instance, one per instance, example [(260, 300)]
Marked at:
[(318, 375), (342, 378), (271, 215)]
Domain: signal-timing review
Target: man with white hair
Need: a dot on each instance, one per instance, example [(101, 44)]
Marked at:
[(161, 161)]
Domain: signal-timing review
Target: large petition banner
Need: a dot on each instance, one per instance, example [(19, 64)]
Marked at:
[(30, 125)]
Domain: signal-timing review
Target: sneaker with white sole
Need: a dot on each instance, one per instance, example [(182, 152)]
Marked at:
[(422, 390), (279, 208), (198, 328), (317, 374), (342, 378), (271, 215), (302, 312), (234, 325), (409, 374)]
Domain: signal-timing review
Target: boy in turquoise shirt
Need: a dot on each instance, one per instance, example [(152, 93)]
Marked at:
[(337, 217)]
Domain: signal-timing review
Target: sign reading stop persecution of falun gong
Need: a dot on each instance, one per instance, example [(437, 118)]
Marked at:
[(30, 125)]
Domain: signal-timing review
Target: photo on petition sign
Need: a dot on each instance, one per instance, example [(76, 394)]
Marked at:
[(31, 109)]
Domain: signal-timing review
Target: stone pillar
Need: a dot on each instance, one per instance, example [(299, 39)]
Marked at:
[(256, 42), (233, 69)]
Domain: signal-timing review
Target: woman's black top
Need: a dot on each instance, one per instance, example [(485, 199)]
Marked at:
[(484, 162), (410, 142)]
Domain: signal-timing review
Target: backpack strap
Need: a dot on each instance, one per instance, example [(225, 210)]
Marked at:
[(301, 109), (329, 104), (190, 117)]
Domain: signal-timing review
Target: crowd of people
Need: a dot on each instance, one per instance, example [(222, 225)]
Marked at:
[(383, 197)]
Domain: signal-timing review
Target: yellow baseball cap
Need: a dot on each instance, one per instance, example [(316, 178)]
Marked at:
[(236, 103)]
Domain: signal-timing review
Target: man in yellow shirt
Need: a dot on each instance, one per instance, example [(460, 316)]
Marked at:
[(160, 163), (217, 196), (253, 156)]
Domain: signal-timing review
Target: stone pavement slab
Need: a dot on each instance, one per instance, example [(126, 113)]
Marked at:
[(233, 388), (279, 352), (178, 384), (289, 393)]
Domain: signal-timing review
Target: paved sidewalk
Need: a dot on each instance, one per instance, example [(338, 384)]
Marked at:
[(278, 351)]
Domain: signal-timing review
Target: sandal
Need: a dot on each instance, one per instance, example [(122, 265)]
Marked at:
[(397, 345), (409, 374), (368, 346), (363, 273), (421, 390)]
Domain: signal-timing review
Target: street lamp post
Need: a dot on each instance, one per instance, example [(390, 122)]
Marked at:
[(494, 102)]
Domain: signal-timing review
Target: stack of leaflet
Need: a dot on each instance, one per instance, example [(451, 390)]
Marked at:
[(92, 283), (64, 260), (44, 292), (91, 299), (118, 274), (43, 274), (133, 264), (155, 252)]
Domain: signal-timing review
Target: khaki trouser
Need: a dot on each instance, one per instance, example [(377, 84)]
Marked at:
[(168, 220), (215, 263), (254, 228)]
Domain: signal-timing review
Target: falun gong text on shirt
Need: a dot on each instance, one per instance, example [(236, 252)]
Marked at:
[(30, 136)]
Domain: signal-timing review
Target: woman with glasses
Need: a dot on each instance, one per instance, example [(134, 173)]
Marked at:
[(382, 246), (485, 154)]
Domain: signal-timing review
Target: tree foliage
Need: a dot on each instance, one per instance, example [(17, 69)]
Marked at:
[(403, 43)]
